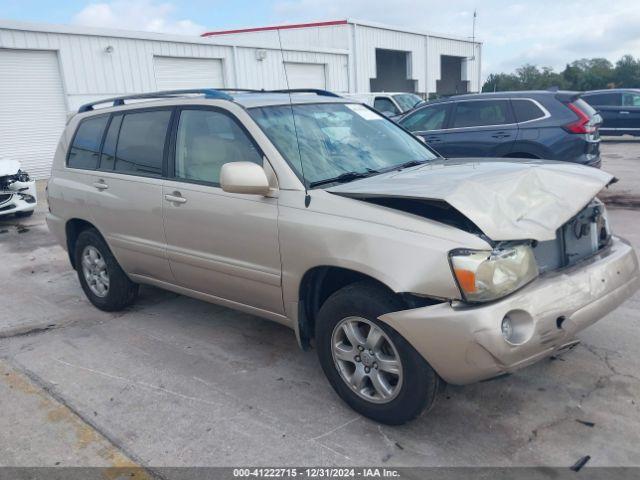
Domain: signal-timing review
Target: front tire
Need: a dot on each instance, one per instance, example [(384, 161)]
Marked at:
[(104, 282), (370, 365)]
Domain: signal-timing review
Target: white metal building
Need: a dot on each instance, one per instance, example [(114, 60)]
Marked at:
[(357, 56), (47, 71)]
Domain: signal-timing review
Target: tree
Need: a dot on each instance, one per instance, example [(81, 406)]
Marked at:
[(582, 74), (497, 82), (627, 72)]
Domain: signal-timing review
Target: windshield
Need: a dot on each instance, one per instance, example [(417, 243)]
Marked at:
[(337, 138), (407, 101)]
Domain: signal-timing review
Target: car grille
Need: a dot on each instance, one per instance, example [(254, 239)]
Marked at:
[(5, 197), (581, 237)]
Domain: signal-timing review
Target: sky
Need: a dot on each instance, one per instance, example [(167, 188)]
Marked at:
[(540, 32)]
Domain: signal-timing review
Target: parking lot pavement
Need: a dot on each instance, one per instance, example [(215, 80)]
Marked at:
[(35, 421), (178, 382), (621, 157)]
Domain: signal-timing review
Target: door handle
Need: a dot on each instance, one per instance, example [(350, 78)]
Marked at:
[(101, 185), (175, 197), (432, 139), (624, 112), (501, 135)]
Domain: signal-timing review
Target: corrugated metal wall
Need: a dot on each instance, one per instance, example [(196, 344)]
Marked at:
[(356, 44), (332, 38), (269, 73), (90, 72)]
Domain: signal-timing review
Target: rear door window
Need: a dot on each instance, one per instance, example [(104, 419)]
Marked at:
[(526, 110), (141, 142), (85, 149), (604, 99), (480, 113), (427, 118), (108, 157)]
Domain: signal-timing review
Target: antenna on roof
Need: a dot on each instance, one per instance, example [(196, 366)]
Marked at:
[(307, 197)]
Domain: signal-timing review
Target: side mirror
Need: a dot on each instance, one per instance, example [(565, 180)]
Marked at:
[(244, 177)]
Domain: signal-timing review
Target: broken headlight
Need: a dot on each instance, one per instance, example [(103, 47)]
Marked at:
[(485, 275), (22, 176)]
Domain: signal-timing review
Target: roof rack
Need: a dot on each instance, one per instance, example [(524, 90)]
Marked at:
[(243, 90), (317, 91), (209, 93)]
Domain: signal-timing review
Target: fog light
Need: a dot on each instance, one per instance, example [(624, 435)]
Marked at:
[(27, 198), (507, 328), (517, 327)]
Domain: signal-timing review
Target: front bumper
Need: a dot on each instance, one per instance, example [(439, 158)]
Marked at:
[(19, 197), (464, 343)]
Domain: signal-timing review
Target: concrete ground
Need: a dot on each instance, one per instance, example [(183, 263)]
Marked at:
[(621, 156), (178, 382)]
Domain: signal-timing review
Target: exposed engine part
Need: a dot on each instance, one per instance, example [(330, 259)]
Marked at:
[(8, 180), (582, 236)]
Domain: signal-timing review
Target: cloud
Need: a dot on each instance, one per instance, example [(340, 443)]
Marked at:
[(544, 32), (142, 15)]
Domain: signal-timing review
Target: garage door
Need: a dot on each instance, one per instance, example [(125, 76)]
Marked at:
[(32, 109), (184, 73), (306, 75)]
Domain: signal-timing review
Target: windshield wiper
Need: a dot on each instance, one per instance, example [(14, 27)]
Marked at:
[(410, 163), (344, 177)]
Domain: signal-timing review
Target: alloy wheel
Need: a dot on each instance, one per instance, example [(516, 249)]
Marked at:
[(367, 359), (94, 269)]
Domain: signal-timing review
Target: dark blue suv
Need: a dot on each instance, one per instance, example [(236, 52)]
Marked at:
[(620, 110), (552, 125)]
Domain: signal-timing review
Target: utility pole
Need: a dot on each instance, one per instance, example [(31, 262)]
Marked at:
[(473, 42), (473, 31)]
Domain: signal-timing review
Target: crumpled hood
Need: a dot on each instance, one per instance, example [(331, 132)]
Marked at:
[(506, 199), (8, 167)]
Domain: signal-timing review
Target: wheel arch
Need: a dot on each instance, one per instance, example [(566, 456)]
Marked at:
[(524, 148), (73, 228), (320, 282)]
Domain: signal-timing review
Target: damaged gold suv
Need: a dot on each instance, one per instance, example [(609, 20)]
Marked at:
[(402, 268)]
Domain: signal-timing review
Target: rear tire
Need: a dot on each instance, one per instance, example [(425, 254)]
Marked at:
[(390, 383), (104, 282)]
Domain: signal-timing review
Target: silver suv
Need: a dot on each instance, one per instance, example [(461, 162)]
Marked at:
[(402, 268)]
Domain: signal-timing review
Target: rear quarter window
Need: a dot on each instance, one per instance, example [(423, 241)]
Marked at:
[(526, 110), (85, 150)]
